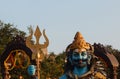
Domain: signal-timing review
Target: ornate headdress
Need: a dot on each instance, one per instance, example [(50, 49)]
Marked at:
[(79, 44)]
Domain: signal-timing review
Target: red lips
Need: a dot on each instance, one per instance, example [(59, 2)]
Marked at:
[(80, 61)]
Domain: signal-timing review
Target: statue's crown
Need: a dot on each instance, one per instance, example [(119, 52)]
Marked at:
[(79, 43)]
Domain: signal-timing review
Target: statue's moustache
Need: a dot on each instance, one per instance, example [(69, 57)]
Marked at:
[(81, 60)]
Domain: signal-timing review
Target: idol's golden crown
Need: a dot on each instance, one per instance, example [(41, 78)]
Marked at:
[(79, 43)]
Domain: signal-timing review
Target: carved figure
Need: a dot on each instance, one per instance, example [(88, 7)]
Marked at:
[(81, 61)]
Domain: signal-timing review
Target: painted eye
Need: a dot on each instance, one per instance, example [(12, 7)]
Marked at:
[(75, 54), (83, 53)]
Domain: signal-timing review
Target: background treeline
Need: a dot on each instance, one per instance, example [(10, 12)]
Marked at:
[(51, 67)]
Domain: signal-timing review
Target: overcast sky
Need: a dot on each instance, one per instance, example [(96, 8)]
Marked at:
[(97, 20)]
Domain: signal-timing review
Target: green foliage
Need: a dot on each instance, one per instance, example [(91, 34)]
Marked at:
[(7, 32), (16, 72), (52, 66)]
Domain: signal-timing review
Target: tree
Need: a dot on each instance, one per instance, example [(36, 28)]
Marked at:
[(52, 66), (7, 33)]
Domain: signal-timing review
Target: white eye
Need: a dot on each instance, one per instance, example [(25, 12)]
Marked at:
[(85, 57)]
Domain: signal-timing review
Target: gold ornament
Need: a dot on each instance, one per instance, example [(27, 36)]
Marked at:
[(37, 47), (17, 59), (79, 44), (98, 75)]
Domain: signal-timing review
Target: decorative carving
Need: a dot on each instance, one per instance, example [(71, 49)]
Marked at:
[(15, 55), (110, 61), (82, 62), (79, 43), (18, 59), (37, 48)]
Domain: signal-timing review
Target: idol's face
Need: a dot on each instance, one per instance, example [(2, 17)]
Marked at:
[(79, 59)]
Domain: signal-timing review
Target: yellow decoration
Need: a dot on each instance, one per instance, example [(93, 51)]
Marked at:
[(98, 75), (37, 47), (79, 43), (15, 58)]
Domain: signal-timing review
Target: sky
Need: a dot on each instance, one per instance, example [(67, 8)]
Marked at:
[(97, 20)]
